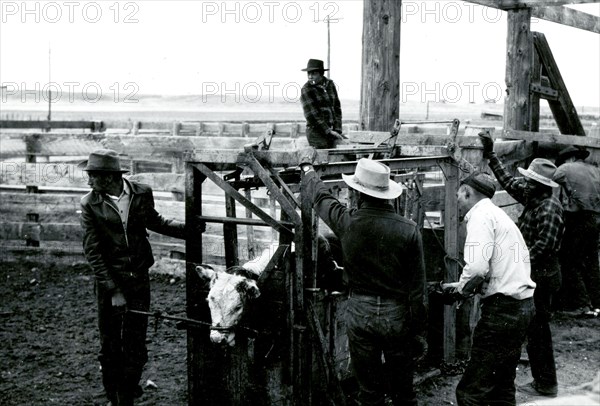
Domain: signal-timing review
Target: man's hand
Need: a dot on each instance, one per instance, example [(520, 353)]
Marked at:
[(198, 228), (118, 299), (307, 156), (488, 144)]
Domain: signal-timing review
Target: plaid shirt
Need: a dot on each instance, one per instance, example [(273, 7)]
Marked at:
[(541, 222), (322, 108)]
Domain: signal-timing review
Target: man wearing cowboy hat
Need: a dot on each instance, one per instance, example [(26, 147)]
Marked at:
[(385, 273), (322, 108), (580, 194), (506, 290), (115, 216), (542, 227)]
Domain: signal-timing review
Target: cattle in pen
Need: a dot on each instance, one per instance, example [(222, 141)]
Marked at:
[(229, 292)]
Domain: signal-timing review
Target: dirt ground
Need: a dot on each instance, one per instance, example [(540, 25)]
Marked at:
[(49, 343)]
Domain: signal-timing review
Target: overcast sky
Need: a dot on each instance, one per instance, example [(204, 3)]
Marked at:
[(450, 49)]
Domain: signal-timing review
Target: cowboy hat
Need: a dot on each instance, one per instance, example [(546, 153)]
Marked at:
[(373, 178), (102, 160), (541, 170), (571, 151), (314, 64)]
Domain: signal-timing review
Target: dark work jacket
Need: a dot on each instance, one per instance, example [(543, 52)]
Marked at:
[(117, 259), (383, 251)]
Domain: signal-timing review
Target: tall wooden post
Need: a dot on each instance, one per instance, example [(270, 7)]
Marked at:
[(519, 58), (380, 88)]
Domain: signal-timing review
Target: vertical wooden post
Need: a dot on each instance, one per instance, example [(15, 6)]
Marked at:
[(252, 249), (230, 234), (519, 58), (202, 365), (380, 86), (451, 173)]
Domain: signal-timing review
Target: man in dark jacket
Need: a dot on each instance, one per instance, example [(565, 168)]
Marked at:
[(541, 224), (115, 216), (322, 108), (385, 273), (580, 193)]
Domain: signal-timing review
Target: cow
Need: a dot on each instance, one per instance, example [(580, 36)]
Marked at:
[(228, 293)]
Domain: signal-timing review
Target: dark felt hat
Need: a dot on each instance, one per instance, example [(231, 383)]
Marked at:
[(481, 182), (314, 64), (571, 151), (102, 160)]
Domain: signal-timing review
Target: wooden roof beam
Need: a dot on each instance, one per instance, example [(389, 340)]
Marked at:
[(547, 10), (509, 4)]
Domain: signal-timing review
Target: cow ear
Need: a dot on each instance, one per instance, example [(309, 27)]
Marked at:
[(249, 287), (205, 272)]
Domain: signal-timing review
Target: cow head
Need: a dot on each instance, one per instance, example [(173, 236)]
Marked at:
[(227, 297)]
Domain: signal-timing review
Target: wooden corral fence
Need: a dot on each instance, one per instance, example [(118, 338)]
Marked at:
[(248, 204)]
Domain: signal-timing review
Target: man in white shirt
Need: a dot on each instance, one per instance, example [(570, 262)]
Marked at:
[(497, 267)]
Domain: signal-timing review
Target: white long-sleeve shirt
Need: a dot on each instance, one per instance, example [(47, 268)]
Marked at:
[(496, 251)]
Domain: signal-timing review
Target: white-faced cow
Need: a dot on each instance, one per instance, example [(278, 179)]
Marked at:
[(228, 294)]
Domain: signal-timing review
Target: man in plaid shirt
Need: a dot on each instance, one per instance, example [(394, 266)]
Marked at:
[(541, 224), (322, 108)]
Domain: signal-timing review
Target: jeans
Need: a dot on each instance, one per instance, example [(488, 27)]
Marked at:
[(539, 336), (497, 341), (123, 352), (380, 326)]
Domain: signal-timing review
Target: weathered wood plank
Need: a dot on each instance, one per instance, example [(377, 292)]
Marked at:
[(588, 142), (519, 58), (569, 17), (563, 109), (508, 4)]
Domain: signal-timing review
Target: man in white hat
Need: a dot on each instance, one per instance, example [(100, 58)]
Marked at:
[(385, 273), (541, 224), (580, 194), (115, 216), (322, 108)]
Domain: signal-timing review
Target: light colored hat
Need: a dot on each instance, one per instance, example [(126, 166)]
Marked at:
[(102, 160), (373, 178), (541, 170)]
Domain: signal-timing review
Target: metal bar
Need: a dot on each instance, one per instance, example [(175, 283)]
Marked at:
[(244, 221), (395, 163), (240, 198)]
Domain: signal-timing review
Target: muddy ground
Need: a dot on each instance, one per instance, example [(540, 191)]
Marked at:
[(49, 340)]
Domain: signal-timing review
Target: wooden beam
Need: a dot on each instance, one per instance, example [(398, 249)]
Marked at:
[(569, 17), (240, 198), (519, 59), (380, 90), (587, 142), (32, 124), (451, 247), (508, 4), (563, 109)]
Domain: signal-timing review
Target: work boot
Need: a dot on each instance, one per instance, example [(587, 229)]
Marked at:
[(534, 389)]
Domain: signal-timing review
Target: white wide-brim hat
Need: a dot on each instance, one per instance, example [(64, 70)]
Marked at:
[(541, 170), (373, 178)]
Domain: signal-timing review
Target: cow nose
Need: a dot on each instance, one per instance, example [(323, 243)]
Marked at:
[(216, 336)]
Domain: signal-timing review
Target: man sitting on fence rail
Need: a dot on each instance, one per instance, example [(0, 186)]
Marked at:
[(385, 273), (115, 216)]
